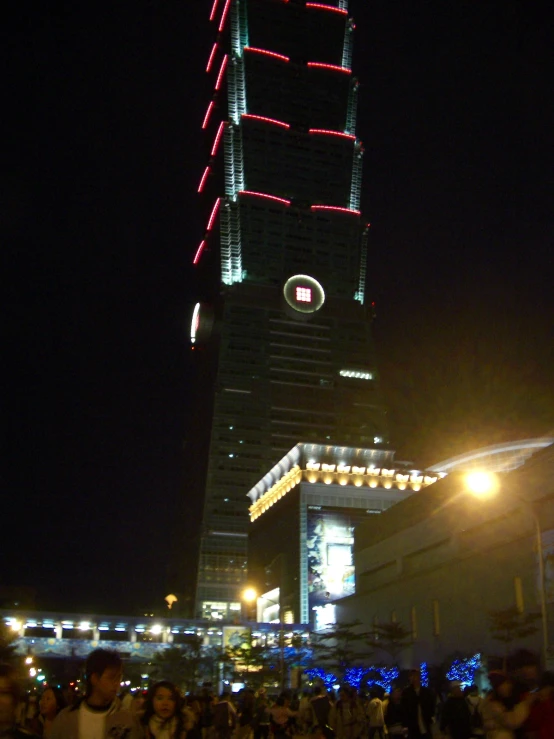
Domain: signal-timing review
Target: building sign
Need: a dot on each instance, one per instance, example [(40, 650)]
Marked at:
[(303, 294), (325, 616), (236, 637), (330, 544)]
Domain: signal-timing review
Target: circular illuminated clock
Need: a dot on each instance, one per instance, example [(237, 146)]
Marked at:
[(201, 323), (304, 294)]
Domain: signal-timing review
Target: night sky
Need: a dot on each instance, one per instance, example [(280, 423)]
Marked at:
[(102, 158)]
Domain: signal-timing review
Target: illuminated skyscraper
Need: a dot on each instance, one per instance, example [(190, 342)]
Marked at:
[(286, 238)]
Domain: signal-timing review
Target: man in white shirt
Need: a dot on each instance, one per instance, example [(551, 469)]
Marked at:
[(99, 715)]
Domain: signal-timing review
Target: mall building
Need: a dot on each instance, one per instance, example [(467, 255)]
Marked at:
[(303, 515), (439, 562)]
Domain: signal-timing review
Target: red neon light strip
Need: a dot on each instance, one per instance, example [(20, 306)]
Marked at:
[(221, 71), (203, 180), (199, 252), (217, 139), (325, 132), (265, 52), (334, 67), (208, 114), (212, 57), (264, 195), (336, 208), (265, 120), (326, 7), (224, 15), (214, 9), (213, 215)]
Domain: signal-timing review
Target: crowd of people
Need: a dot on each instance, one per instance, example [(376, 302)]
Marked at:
[(512, 709)]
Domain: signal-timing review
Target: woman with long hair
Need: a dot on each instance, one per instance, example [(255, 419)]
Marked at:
[(51, 703), (163, 718)]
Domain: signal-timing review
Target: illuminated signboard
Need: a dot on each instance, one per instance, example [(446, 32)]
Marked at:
[(304, 294), (330, 545)]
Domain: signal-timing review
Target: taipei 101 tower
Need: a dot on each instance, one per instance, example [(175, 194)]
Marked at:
[(286, 243)]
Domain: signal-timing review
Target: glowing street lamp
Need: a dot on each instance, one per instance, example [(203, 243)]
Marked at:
[(482, 484), (249, 595), (485, 485)]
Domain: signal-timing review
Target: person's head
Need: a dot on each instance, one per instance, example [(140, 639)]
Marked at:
[(317, 690), (396, 695), (456, 690), (415, 678), (502, 685), (51, 702), (9, 695), (163, 701), (103, 670), (280, 701), (225, 696)]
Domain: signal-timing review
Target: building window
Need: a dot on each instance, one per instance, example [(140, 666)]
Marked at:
[(413, 619), (436, 619), (518, 592)]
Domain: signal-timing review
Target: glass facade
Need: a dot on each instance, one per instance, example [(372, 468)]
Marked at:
[(288, 243)]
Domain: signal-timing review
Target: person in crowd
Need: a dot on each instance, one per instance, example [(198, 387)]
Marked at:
[(418, 708), (192, 704), (281, 716), (126, 698), (394, 715), (137, 706), (503, 711), (207, 702), (224, 717), (30, 713), (376, 715), (246, 715), (540, 724), (10, 695), (163, 718), (455, 716), (99, 713), (475, 705), (51, 702), (321, 706), (262, 716), (306, 716), (349, 716)]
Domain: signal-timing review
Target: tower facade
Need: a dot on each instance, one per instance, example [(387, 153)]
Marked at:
[(286, 244)]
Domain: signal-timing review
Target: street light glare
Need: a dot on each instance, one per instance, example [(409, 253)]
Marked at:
[(249, 595), (481, 484)]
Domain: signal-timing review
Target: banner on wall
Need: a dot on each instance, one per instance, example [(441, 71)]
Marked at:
[(330, 545)]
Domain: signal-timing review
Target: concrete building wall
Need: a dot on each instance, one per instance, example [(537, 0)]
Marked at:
[(443, 574)]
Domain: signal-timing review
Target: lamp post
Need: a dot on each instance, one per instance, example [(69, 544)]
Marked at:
[(485, 485)]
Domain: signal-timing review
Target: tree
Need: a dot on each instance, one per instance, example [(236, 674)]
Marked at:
[(509, 625), (180, 665), (391, 638), (340, 648)]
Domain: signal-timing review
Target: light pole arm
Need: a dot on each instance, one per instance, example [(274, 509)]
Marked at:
[(542, 590)]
